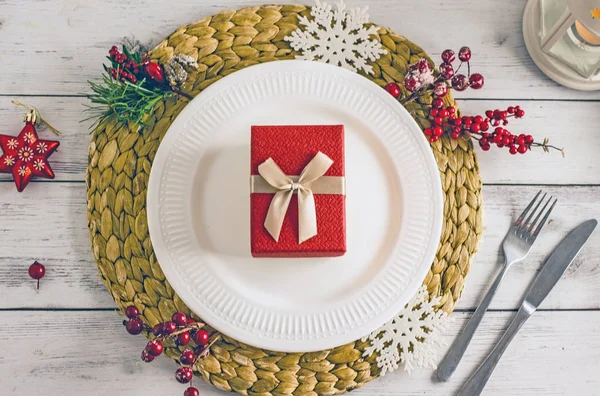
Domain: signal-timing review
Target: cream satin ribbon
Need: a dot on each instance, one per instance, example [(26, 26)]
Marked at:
[(310, 181)]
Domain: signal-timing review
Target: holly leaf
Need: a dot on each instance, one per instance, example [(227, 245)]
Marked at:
[(596, 13)]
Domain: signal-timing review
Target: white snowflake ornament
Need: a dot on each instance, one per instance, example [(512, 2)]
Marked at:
[(412, 337), (337, 37)]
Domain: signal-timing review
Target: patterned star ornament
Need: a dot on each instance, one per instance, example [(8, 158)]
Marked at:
[(26, 156)]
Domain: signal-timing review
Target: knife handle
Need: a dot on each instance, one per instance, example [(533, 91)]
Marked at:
[(474, 386)]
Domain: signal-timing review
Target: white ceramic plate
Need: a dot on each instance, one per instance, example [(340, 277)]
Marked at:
[(199, 209)]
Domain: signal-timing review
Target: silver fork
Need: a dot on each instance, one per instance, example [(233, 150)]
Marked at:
[(516, 246)]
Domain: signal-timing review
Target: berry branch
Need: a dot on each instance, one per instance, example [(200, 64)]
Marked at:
[(182, 330), (420, 80)]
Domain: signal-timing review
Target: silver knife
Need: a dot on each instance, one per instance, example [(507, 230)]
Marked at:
[(560, 259)]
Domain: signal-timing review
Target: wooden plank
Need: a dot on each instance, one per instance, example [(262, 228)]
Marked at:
[(48, 223), (54, 47), (75, 353), (572, 125)]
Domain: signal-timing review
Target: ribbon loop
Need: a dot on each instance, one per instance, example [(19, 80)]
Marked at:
[(307, 213)]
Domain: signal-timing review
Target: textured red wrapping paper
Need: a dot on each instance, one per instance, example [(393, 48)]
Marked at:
[(292, 148)]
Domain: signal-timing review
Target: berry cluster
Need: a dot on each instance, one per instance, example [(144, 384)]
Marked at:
[(420, 79), (182, 330), (126, 70)]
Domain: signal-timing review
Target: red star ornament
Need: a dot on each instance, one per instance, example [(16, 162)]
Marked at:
[(26, 156)]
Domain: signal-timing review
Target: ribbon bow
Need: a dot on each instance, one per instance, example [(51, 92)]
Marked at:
[(286, 186)]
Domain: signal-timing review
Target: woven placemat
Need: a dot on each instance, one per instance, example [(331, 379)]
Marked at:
[(120, 159)]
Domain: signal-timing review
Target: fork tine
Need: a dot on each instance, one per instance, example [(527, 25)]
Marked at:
[(525, 224), (522, 216), (531, 226), (539, 227)]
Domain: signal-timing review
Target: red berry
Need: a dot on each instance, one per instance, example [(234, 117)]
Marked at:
[(437, 103), (485, 147), (183, 338), (191, 391), (504, 122), (433, 112), (458, 122), (154, 348), (393, 89), (511, 110), (427, 131), (146, 357), (521, 140), (467, 121), (201, 337), (440, 89), (187, 357), (499, 130), (423, 65), (157, 330), (485, 126), (133, 79), (489, 114), (444, 113), (132, 312), (497, 139), (520, 113), (134, 326), (438, 131), (448, 56), (522, 149), (503, 114), (483, 141), (457, 130), (184, 374), (476, 81), (460, 82), (454, 135), (464, 54), (411, 83), (37, 270), (475, 128), (169, 328), (155, 72), (478, 119), (446, 70), (512, 150), (451, 109), (495, 122), (507, 140), (114, 49), (528, 139), (434, 139), (179, 318), (438, 121)]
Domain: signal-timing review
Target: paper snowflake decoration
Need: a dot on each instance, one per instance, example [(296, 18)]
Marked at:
[(412, 337), (337, 37)]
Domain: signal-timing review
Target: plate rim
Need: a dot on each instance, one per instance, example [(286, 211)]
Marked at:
[(282, 344)]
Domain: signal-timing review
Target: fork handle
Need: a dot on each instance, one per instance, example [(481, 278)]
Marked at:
[(457, 350), (474, 386)]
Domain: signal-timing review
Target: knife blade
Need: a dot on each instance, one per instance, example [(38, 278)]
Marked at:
[(552, 270)]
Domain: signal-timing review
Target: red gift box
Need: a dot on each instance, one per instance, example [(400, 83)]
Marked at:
[(292, 148)]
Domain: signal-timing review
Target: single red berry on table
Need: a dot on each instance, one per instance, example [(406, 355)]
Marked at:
[(489, 114), (476, 81), (183, 338), (201, 336), (437, 103), (37, 272), (448, 56), (146, 357), (184, 375), (440, 89), (154, 348), (464, 54), (393, 89), (191, 391), (179, 318), (520, 113), (511, 110), (460, 82), (132, 312), (187, 357), (446, 70), (134, 326), (169, 327)]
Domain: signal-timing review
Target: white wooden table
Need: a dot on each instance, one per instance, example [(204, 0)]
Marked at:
[(66, 338)]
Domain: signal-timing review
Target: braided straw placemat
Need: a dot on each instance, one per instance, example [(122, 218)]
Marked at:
[(120, 159)]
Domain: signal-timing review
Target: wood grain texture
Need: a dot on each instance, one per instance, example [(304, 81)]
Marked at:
[(53, 47), (573, 125), (74, 353), (49, 224)]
